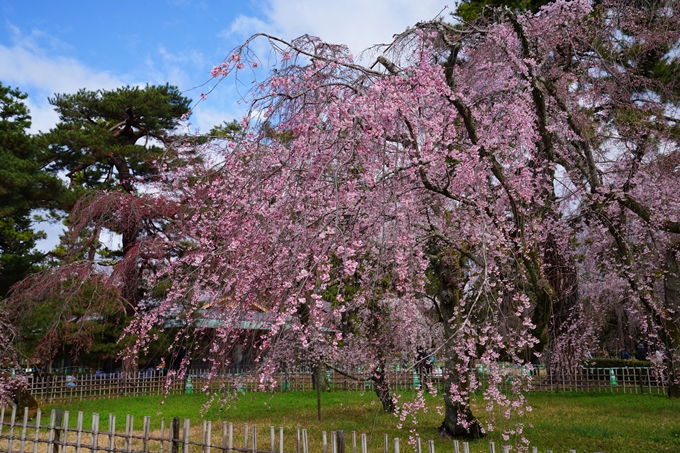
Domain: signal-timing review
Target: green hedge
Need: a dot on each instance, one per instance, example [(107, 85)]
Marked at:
[(615, 363)]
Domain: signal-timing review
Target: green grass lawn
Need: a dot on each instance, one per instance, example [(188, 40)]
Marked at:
[(558, 421)]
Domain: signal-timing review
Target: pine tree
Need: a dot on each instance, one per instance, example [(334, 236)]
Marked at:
[(111, 139), (24, 187), (108, 144)]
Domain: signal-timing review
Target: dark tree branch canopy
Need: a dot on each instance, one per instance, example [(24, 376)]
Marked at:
[(100, 130)]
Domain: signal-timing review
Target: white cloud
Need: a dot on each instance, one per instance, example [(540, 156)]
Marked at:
[(358, 24), (24, 67), (190, 57), (173, 67), (30, 70), (42, 113), (207, 116), (244, 26)]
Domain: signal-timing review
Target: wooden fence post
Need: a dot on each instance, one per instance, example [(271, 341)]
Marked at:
[(224, 437), (11, 428), (297, 441), (208, 436), (79, 431), (341, 441), (95, 432), (57, 431), (185, 437), (37, 431), (22, 441), (129, 426), (175, 435), (64, 437), (112, 433), (254, 439), (162, 439), (147, 428), (50, 432), (272, 439), (245, 436), (204, 442), (231, 437)]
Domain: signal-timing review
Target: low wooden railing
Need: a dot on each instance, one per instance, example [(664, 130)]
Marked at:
[(54, 435), (58, 389)]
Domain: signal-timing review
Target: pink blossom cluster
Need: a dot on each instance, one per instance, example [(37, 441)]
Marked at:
[(220, 71), (485, 192)]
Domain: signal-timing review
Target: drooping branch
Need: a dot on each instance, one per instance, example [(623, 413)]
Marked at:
[(645, 214)]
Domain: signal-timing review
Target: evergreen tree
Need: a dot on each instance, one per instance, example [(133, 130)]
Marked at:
[(469, 10), (111, 139), (24, 187), (108, 144)]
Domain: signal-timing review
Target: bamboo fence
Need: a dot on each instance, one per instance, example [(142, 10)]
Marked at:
[(55, 436), (62, 389)]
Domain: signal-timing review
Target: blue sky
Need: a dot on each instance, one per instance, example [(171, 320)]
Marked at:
[(60, 46), (49, 47)]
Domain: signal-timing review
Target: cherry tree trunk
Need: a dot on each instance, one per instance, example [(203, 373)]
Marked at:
[(382, 388), (459, 422)]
